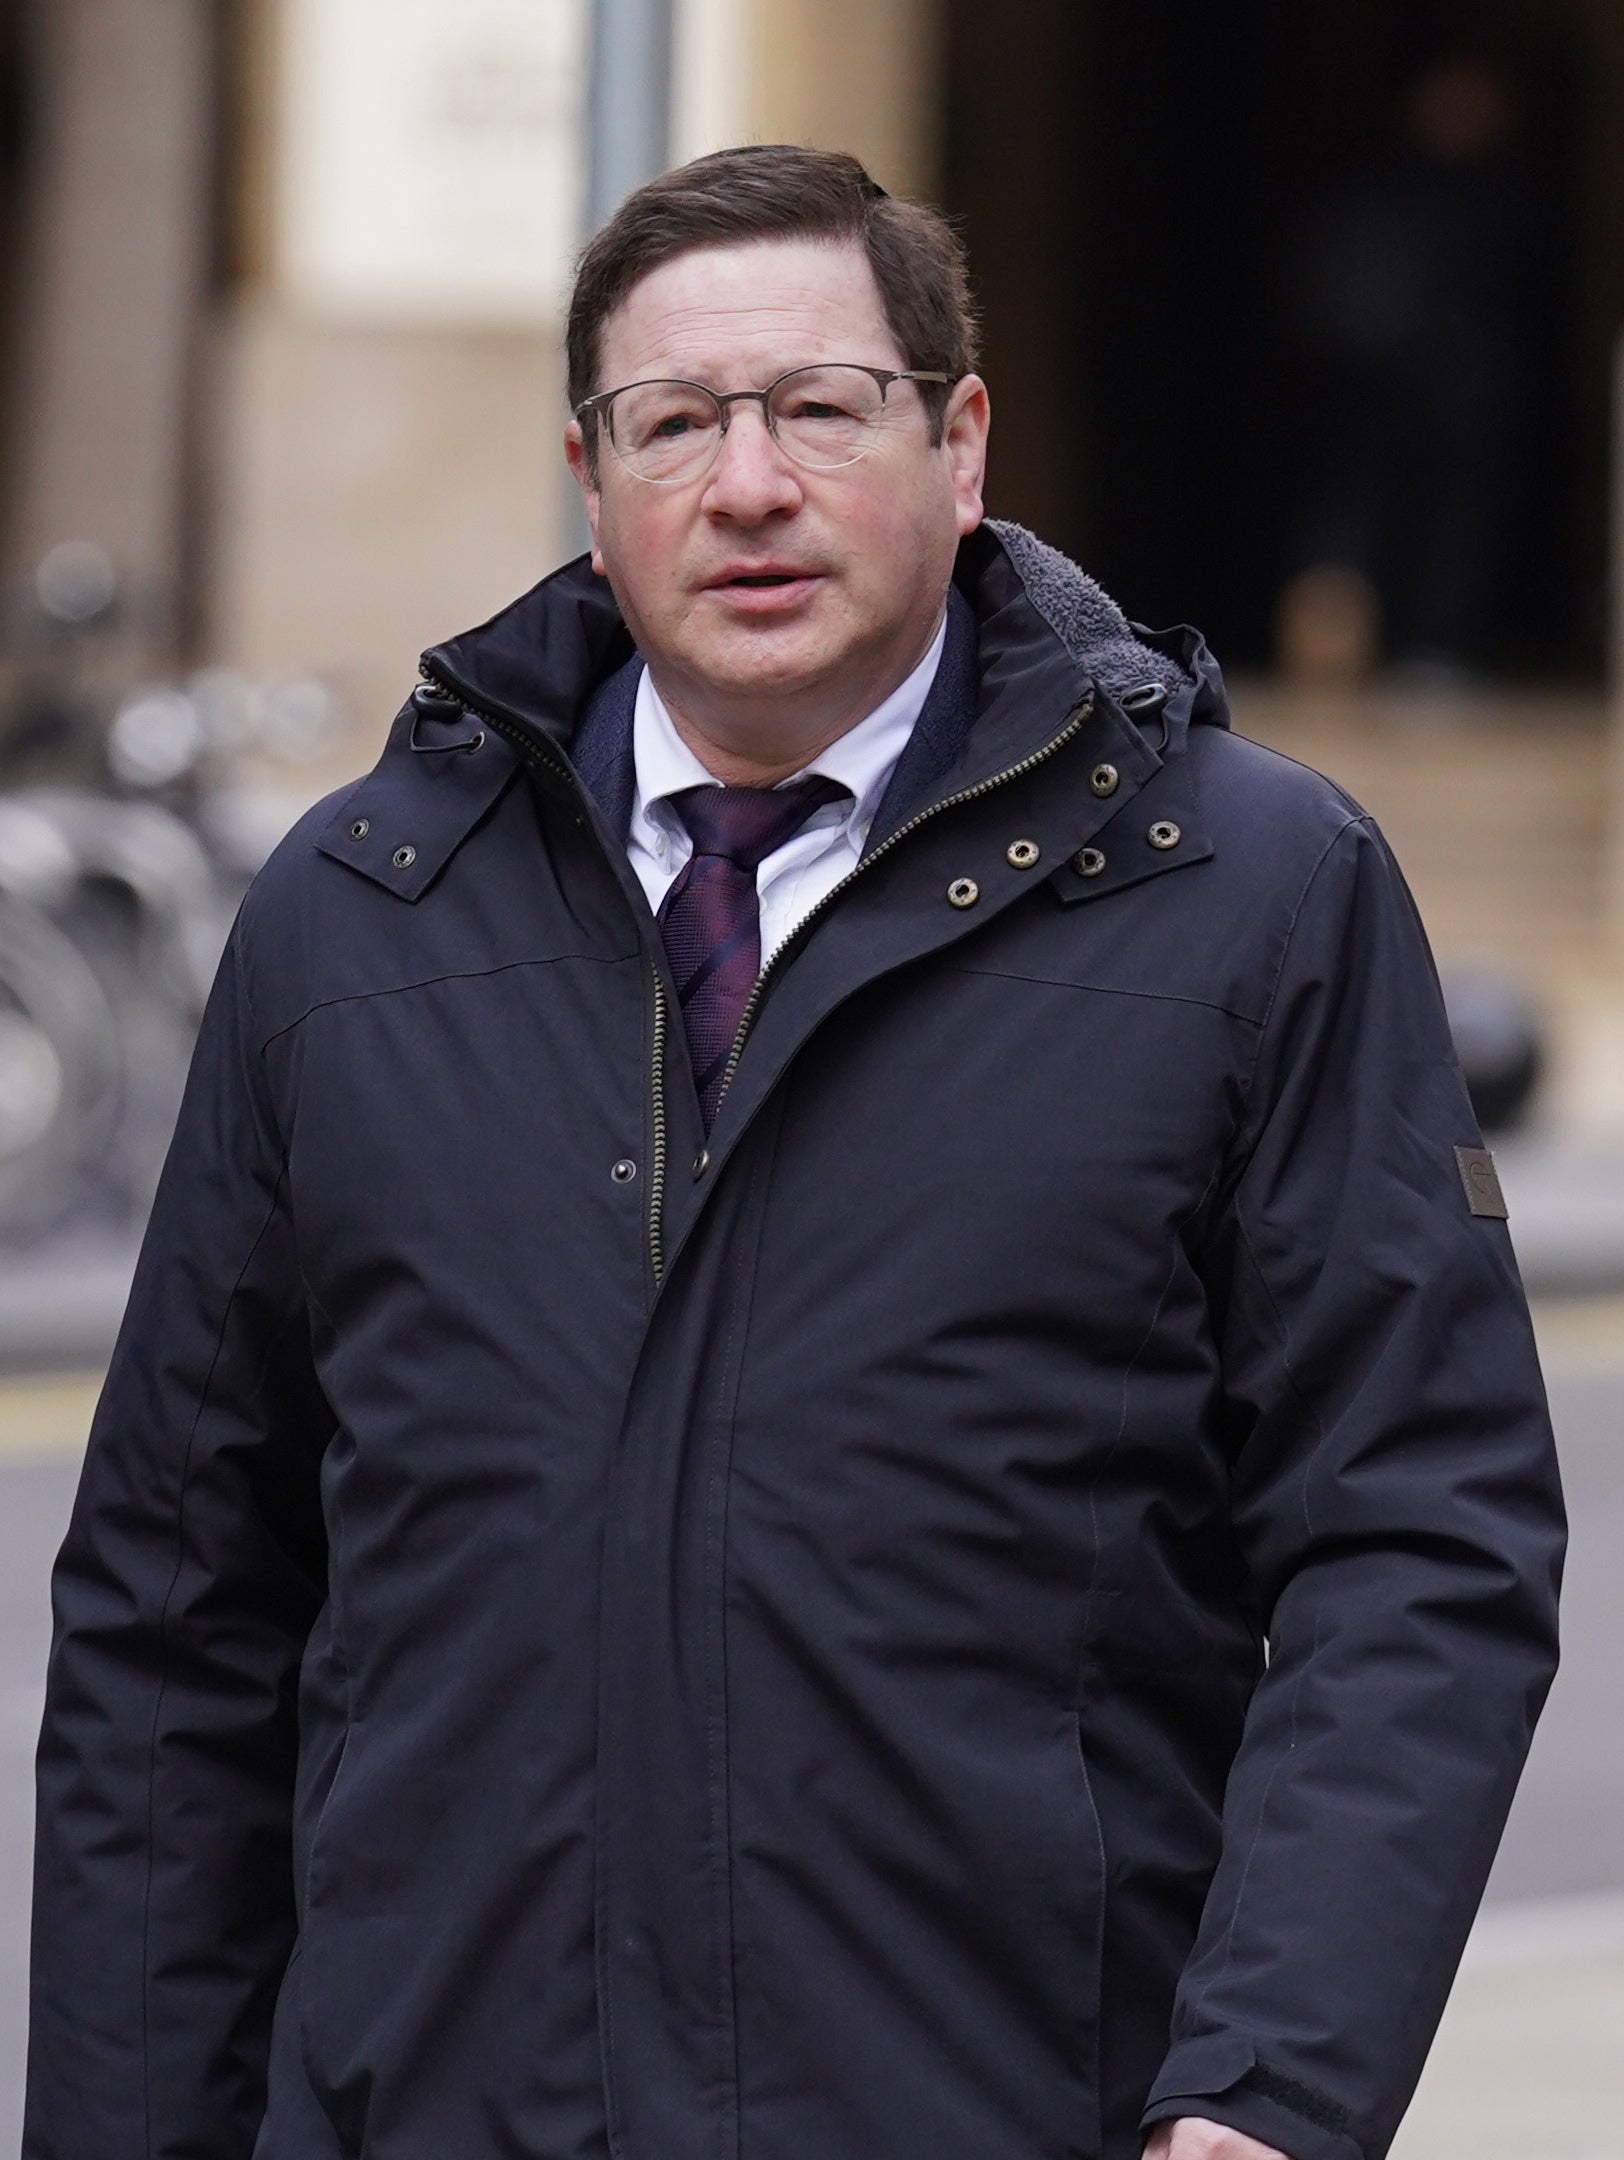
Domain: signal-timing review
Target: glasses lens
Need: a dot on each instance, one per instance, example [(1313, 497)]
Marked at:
[(827, 416), (664, 430)]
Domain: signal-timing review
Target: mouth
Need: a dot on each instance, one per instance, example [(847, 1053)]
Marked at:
[(760, 580), (772, 590)]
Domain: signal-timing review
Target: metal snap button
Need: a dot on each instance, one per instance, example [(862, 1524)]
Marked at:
[(623, 1171), (963, 892), (1088, 862), (404, 857), (1103, 779), (1164, 834), (360, 829), (701, 1162), (1022, 854)]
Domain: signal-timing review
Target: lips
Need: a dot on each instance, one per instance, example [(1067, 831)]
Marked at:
[(759, 577), (755, 592)]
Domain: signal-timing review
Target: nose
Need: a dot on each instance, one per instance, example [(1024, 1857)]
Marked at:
[(751, 478)]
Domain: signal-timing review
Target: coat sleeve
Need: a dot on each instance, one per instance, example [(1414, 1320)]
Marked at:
[(185, 1591), (1396, 1504)]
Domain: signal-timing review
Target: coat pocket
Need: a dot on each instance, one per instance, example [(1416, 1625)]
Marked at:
[(1090, 2129), (319, 2008), (318, 1837)]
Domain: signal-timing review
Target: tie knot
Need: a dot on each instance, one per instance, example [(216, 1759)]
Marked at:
[(745, 824)]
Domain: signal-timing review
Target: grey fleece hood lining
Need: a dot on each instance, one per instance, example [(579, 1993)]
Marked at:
[(1082, 614)]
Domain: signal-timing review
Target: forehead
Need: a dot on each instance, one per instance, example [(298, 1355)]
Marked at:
[(736, 316)]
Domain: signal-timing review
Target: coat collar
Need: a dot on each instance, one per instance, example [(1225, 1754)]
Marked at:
[(1042, 626), (1032, 641)]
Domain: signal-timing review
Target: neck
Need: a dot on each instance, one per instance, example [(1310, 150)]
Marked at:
[(754, 757)]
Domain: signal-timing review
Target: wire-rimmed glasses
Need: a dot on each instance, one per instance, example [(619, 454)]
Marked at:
[(822, 417)]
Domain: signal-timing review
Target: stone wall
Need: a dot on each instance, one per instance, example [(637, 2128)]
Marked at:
[(110, 289)]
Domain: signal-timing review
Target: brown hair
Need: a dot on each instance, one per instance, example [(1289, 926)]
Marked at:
[(773, 191)]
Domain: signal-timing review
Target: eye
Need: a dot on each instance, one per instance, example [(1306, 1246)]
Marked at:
[(827, 400), (653, 416), (810, 405)]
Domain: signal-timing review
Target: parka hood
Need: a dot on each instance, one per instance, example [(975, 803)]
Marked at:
[(1114, 653)]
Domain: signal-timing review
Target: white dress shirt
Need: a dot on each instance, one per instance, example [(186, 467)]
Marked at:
[(795, 877)]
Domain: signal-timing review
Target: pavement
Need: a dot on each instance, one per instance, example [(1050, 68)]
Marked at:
[(61, 1302), (1529, 2060)]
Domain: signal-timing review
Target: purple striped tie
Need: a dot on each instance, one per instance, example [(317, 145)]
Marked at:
[(711, 919)]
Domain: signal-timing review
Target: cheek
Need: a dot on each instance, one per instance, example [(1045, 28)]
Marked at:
[(641, 541), (902, 521)]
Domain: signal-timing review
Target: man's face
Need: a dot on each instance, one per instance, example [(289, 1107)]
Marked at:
[(865, 552)]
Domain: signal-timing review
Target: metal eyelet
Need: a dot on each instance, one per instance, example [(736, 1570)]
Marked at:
[(623, 1171), (701, 1163), (360, 829), (1103, 779), (1088, 862), (963, 892), (404, 857), (1022, 854), (1164, 834)]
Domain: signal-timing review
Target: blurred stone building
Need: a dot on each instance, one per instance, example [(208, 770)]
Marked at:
[(284, 281)]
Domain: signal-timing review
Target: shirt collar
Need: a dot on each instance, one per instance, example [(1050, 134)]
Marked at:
[(863, 759)]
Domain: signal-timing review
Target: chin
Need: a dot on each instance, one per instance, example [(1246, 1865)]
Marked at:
[(764, 665)]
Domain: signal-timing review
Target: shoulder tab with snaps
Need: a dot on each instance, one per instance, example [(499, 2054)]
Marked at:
[(1165, 813), (412, 812)]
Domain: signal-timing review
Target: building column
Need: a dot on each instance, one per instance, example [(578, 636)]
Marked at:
[(389, 413), (111, 290), (858, 75)]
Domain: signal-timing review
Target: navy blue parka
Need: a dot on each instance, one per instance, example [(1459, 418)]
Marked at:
[(1000, 1597)]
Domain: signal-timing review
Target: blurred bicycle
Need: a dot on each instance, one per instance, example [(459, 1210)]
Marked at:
[(126, 842)]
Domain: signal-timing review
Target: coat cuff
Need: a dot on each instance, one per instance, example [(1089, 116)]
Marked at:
[(1220, 2078)]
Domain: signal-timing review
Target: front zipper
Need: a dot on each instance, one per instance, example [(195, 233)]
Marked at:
[(656, 1176), (540, 759), (948, 802)]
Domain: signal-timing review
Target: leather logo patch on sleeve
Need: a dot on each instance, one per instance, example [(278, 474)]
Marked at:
[(1482, 1182)]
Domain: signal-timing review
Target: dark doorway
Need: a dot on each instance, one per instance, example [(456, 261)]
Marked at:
[(1137, 178)]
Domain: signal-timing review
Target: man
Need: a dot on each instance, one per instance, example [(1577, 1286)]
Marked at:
[(826, 1449)]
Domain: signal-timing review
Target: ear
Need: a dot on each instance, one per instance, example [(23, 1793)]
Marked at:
[(965, 426), (575, 456)]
